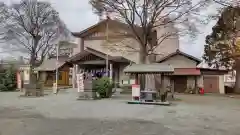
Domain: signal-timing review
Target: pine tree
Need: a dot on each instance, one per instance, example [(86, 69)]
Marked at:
[(222, 47)]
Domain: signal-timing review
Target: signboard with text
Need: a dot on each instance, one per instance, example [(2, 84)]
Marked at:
[(80, 82), (135, 90)]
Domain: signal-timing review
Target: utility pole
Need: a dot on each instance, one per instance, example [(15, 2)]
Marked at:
[(107, 57), (57, 49)]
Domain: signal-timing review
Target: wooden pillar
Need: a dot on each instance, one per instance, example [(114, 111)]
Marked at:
[(162, 90), (195, 85), (172, 84), (136, 79), (116, 73)]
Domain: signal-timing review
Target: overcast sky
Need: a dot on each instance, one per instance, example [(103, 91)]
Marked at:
[(77, 14)]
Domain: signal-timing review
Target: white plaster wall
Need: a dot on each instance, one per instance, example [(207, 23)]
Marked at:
[(180, 61), (200, 81), (221, 84), (170, 44), (99, 45), (77, 49), (191, 82)]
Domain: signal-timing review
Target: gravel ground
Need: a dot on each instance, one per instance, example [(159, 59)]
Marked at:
[(62, 114)]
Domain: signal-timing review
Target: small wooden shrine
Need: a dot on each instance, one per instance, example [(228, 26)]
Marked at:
[(150, 72)]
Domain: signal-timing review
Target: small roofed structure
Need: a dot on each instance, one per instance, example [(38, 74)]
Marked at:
[(149, 70), (51, 64), (149, 96), (47, 71)]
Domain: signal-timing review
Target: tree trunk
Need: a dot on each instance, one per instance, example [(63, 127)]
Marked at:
[(33, 54), (237, 82), (33, 58), (147, 81), (142, 60), (150, 78), (32, 61), (142, 56)]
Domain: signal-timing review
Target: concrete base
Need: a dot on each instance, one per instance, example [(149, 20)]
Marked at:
[(87, 95), (150, 103), (34, 90)]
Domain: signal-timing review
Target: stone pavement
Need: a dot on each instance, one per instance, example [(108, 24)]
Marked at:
[(62, 114)]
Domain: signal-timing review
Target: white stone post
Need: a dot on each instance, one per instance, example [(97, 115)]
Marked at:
[(77, 69), (111, 72), (73, 76), (221, 84), (76, 72)]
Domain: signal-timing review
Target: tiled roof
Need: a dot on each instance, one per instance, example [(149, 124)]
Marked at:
[(186, 71), (51, 64), (148, 68)]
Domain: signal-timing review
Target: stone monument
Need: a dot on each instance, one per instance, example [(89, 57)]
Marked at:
[(84, 82)]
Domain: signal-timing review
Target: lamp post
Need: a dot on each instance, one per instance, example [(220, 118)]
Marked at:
[(107, 57)]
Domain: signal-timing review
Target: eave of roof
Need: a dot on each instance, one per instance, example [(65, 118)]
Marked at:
[(79, 34), (149, 68), (85, 31), (88, 51), (51, 64), (213, 69), (187, 71)]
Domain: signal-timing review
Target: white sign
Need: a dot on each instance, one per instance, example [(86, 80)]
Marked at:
[(80, 84), (125, 82), (132, 81), (55, 88), (135, 90)]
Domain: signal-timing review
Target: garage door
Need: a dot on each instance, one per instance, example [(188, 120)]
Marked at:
[(211, 84)]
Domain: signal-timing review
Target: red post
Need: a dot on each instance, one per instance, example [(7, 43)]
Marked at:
[(201, 91)]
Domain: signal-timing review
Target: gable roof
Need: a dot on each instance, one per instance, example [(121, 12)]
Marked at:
[(178, 52), (85, 32), (89, 50)]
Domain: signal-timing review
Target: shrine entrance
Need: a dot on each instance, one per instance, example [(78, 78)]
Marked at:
[(95, 62), (97, 71)]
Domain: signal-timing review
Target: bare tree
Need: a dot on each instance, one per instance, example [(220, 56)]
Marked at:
[(33, 27), (151, 23), (145, 16), (227, 3)]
